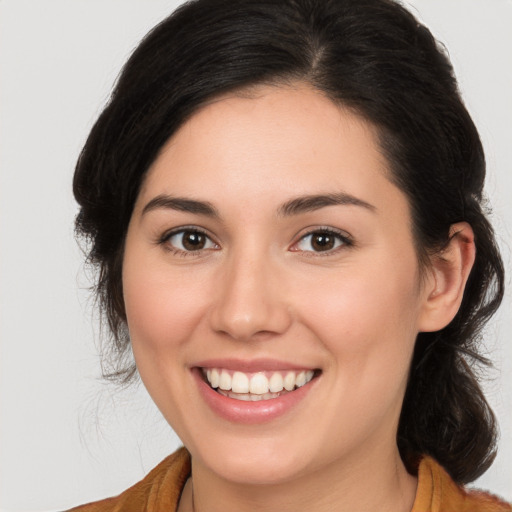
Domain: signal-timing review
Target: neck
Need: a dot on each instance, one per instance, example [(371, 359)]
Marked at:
[(354, 484)]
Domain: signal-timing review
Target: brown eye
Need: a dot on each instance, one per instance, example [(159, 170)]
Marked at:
[(190, 240), (321, 241), (193, 241)]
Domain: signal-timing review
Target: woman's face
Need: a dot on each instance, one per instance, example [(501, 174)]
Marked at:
[(268, 248)]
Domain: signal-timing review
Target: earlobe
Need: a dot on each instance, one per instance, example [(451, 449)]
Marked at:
[(449, 272)]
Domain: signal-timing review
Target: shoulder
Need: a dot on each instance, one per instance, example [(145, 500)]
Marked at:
[(437, 492), (159, 490)]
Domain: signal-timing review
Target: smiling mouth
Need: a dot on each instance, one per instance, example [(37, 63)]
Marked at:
[(256, 386)]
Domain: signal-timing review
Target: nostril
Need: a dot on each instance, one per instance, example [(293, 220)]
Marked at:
[(255, 323)]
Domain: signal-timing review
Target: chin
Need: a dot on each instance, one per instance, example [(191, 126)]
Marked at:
[(253, 461)]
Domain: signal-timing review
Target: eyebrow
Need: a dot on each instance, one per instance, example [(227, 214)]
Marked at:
[(311, 203), (181, 204), (296, 206)]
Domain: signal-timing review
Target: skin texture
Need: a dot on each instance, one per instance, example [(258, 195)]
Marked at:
[(259, 290)]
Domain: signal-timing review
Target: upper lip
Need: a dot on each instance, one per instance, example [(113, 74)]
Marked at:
[(252, 365)]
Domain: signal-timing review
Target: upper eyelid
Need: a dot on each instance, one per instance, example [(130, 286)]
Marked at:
[(346, 238), (181, 229), (322, 229), (164, 241)]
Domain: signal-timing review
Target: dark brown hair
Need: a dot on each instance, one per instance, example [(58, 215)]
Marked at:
[(374, 57)]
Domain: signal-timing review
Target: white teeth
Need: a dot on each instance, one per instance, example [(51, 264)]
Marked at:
[(248, 397), (240, 383), (289, 381), (275, 383), (301, 379), (225, 381), (214, 378), (256, 386)]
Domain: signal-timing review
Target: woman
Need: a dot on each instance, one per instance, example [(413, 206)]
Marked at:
[(284, 203)]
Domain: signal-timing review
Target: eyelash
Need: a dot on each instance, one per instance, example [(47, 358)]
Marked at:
[(164, 241), (345, 241)]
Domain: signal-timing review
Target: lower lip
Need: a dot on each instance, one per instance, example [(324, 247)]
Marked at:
[(239, 411)]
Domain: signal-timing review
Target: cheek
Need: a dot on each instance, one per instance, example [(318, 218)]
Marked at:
[(368, 300), (368, 327), (367, 318), (162, 308)]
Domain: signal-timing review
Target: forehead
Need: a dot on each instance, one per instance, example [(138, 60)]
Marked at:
[(268, 142)]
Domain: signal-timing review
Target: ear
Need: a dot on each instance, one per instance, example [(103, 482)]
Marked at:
[(448, 274)]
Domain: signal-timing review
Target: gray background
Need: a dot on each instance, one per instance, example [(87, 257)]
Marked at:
[(66, 437)]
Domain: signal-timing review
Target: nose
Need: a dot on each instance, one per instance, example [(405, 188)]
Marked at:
[(250, 300)]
